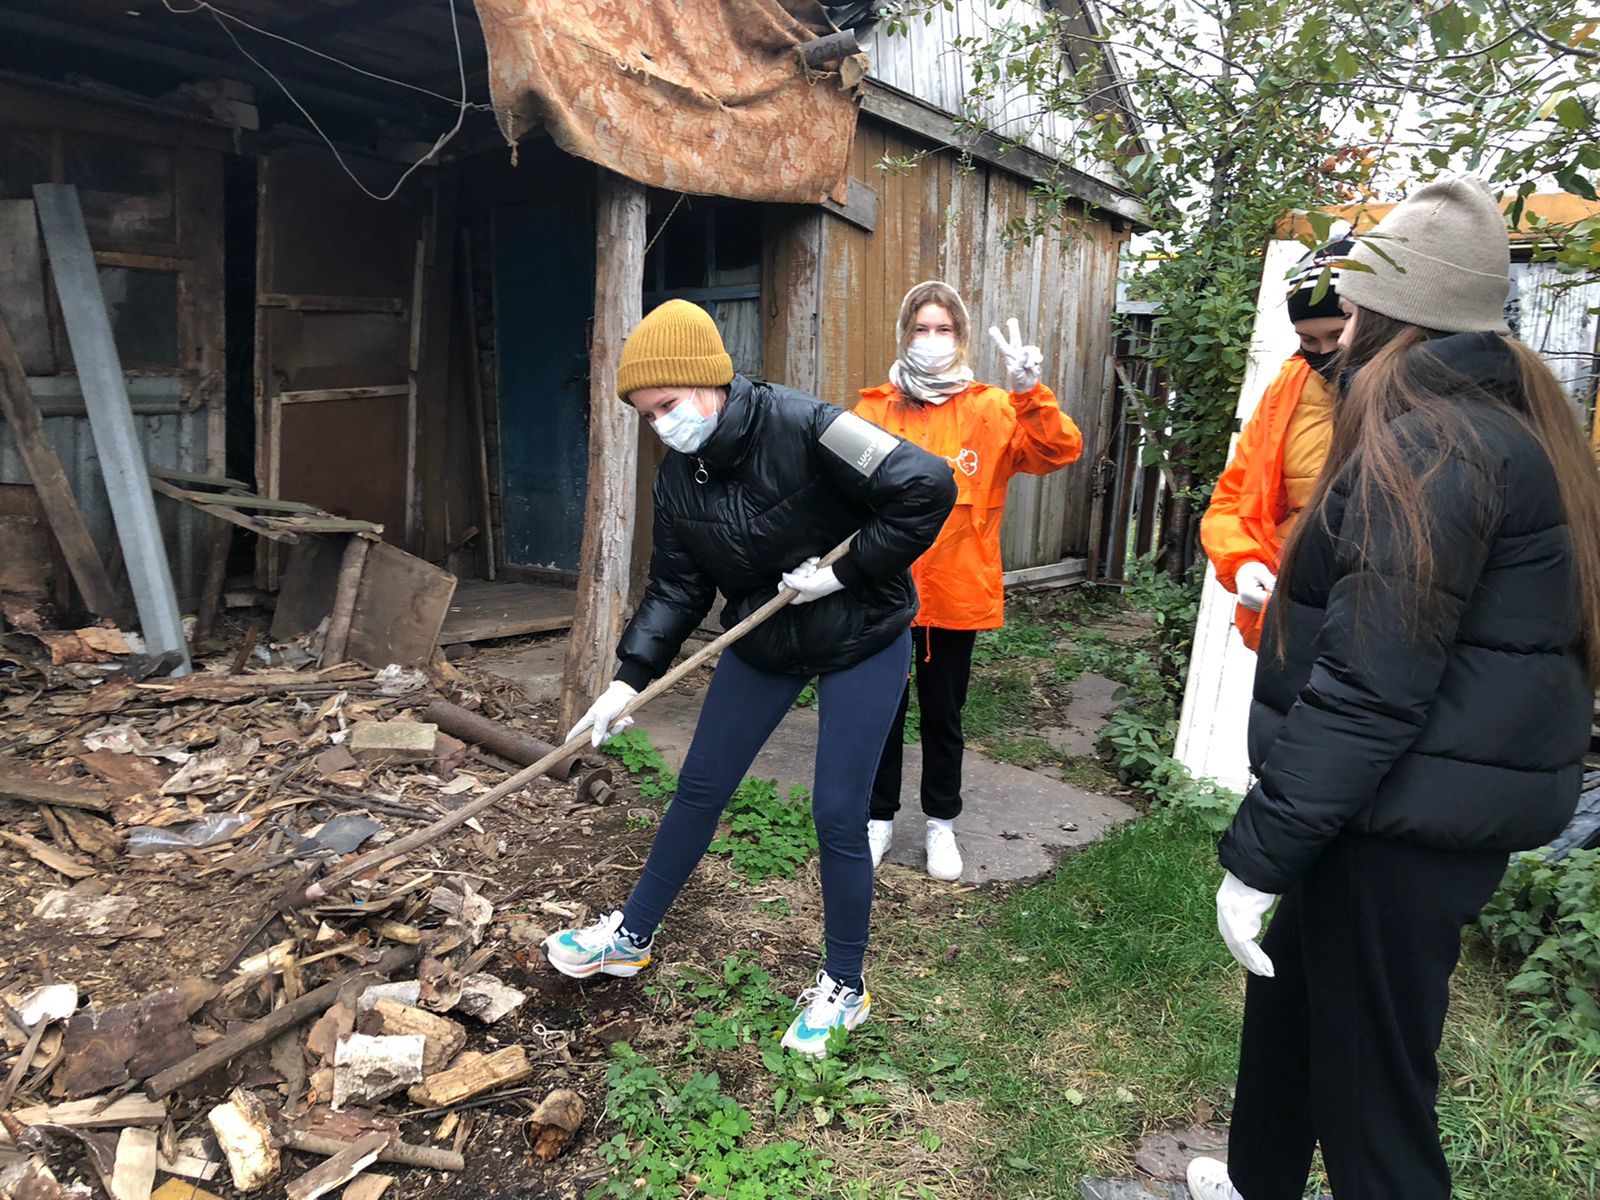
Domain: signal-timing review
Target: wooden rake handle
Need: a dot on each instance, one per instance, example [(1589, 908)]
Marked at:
[(422, 837)]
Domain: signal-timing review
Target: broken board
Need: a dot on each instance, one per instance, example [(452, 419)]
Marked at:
[(482, 611), (400, 608)]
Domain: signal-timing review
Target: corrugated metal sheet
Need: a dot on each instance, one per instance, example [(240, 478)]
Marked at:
[(923, 63), (943, 221), (1560, 322), (173, 437)]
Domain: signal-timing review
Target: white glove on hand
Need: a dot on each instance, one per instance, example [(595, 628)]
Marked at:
[(1255, 584), (812, 581), (1240, 908), (1022, 362), (603, 713)]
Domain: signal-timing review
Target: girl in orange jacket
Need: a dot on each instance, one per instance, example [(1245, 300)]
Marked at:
[(1281, 449), (987, 435)]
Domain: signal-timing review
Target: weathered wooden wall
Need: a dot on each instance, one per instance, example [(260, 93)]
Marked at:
[(941, 219), (925, 62)]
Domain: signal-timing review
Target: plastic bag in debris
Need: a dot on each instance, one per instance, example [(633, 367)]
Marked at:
[(218, 827), (395, 680)]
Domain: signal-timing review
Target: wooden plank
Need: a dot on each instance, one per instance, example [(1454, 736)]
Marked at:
[(860, 209), (432, 379), (217, 481), (134, 1175), (349, 304), (400, 607), (233, 517), (22, 287), (604, 561), (63, 864), (141, 262), (480, 428), (482, 611), (285, 1017), (215, 500), (340, 1169), (346, 586), (93, 1113), (55, 795), (314, 395), (919, 118), (52, 486), (105, 394)]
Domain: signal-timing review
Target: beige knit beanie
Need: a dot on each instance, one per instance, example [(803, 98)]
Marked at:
[(1451, 264)]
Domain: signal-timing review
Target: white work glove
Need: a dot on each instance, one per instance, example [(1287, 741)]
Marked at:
[(1022, 361), (1240, 908), (603, 713), (1255, 584), (812, 581)]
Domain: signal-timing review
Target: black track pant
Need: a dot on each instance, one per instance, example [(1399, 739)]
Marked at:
[(942, 664), (1340, 1047)]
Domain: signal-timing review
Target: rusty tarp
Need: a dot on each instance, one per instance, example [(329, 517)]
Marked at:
[(702, 96)]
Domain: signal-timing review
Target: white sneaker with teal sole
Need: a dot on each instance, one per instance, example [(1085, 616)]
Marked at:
[(598, 949), (824, 1008), (1208, 1180)]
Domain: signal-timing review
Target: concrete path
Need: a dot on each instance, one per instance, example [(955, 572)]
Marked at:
[(1015, 821)]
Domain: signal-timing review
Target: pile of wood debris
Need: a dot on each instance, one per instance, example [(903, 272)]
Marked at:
[(328, 1027)]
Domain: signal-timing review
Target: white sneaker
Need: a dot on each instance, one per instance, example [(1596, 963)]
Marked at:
[(879, 835), (944, 856), (826, 1005), (1208, 1180)]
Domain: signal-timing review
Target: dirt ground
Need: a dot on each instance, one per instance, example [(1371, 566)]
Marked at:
[(543, 858)]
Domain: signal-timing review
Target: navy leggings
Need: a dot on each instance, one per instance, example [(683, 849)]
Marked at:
[(742, 708)]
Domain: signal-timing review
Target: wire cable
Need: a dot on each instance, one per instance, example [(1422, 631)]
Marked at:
[(462, 105)]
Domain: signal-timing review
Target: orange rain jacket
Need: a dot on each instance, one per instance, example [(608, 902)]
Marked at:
[(1269, 480), (986, 435)]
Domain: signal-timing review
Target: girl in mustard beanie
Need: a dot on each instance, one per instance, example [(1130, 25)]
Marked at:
[(1422, 708), (760, 483)]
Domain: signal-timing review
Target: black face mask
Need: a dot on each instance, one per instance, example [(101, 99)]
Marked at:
[(1319, 362)]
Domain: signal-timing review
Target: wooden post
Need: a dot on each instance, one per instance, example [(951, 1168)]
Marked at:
[(609, 514), (51, 485)]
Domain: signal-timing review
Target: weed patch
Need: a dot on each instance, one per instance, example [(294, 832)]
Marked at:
[(768, 835), (691, 1138)]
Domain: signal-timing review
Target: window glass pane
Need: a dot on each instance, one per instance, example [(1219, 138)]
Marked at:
[(684, 243), (740, 324), (143, 306), (125, 188), (24, 161), (737, 248)]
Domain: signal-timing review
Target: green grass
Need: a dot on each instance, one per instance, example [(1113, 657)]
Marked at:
[(1101, 1004), (1097, 1003)]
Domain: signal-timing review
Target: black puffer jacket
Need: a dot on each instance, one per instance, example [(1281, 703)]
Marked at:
[(786, 477), (1466, 734)]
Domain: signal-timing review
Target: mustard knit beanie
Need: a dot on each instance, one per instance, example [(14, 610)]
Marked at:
[(1451, 260), (676, 345)]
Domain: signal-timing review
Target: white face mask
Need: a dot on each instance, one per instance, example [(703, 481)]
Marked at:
[(685, 429), (932, 355)]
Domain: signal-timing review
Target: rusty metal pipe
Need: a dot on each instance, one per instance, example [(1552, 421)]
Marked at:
[(491, 735)]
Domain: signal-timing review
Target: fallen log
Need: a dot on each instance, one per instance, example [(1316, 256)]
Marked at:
[(312, 1004)]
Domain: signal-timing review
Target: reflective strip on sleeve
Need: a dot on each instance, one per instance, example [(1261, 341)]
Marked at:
[(858, 442)]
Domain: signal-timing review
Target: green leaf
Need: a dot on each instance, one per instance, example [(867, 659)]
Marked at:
[(1572, 114)]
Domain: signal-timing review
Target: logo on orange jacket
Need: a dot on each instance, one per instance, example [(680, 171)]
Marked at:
[(966, 462)]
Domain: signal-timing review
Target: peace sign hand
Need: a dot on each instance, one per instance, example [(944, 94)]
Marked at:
[(1022, 361)]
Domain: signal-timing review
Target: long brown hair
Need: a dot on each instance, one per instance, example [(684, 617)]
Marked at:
[(1391, 382)]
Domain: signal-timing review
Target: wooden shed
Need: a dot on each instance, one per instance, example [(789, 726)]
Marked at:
[(311, 302)]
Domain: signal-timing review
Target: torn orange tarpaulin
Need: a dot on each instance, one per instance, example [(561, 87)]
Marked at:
[(702, 96)]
